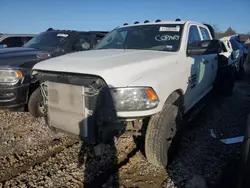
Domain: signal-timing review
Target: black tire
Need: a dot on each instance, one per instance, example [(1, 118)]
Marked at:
[(162, 135), (35, 100), (244, 163), (225, 81), (228, 87)]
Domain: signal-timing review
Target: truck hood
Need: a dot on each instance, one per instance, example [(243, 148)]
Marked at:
[(19, 56), (118, 68)]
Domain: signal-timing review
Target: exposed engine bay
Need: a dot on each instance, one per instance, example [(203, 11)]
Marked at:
[(82, 105)]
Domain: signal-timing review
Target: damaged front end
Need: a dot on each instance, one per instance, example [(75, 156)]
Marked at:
[(82, 105)]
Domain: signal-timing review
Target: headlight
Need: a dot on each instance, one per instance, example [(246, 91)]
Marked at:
[(135, 99), (10, 76)]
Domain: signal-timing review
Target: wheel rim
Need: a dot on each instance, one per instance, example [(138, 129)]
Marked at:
[(171, 134), (41, 108)]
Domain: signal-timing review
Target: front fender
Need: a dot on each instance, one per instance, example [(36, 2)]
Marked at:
[(166, 82)]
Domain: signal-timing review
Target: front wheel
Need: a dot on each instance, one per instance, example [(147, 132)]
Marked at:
[(36, 104), (162, 135)]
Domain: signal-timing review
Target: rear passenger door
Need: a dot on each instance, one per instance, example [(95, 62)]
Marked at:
[(199, 71), (211, 60)]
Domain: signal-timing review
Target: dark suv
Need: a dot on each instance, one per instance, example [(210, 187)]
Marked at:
[(16, 63)]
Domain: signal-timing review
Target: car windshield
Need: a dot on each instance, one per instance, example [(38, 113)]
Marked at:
[(48, 41), (159, 37)]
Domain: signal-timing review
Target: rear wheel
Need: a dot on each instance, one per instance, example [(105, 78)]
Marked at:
[(224, 84), (162, 135), (36, 104)]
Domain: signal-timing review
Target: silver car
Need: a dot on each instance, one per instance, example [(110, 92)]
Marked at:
[(14, 40)]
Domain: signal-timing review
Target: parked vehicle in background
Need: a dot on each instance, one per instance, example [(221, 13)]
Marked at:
[(14, 40), (139, 77), (16, 89), (240, 54), (228, 52), (246, 46)]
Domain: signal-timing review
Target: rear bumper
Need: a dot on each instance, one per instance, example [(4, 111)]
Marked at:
[(13, 96)]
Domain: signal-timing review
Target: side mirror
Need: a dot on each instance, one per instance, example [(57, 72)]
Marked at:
[(205, 47)]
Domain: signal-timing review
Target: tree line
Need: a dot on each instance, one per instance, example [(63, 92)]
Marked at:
[(230, 31)]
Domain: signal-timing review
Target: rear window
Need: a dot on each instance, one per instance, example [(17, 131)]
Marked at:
[(205, 33)]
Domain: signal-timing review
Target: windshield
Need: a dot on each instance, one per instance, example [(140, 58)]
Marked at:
[(48, 41), (159, 37)]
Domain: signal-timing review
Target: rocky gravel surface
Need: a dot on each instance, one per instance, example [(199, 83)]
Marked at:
[(201, 159), (199, 162), (20, 132)]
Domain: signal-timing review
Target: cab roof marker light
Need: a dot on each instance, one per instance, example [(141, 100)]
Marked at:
[(158, 20), (136, 22), (146, 21), (178, 20), (125, 24)]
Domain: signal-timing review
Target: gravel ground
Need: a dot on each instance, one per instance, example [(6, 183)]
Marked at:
[(200, 155), (201, 158), (20, 132), (26, 139), (204, 155)]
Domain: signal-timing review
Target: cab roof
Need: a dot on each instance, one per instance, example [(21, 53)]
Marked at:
[(159, 23), (75, 31)]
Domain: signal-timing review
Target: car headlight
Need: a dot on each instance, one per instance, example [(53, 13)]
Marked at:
[(10, 76), (135, 99)]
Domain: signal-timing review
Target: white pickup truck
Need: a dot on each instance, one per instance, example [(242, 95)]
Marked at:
[(143, 76)]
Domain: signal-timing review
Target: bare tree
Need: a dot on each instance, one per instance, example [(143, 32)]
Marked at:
[(216, 28), (230, 31)]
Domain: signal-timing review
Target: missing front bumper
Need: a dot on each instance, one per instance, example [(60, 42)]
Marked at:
[(81, 105), (66, 108)]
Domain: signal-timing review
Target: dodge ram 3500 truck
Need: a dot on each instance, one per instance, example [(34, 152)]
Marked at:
[(143, 76)]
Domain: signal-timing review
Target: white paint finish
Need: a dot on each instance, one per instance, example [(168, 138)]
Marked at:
[(117, 67), (165, 72)]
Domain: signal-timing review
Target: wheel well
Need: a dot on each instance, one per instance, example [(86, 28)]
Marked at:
[(176, 98), (32, 88)]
